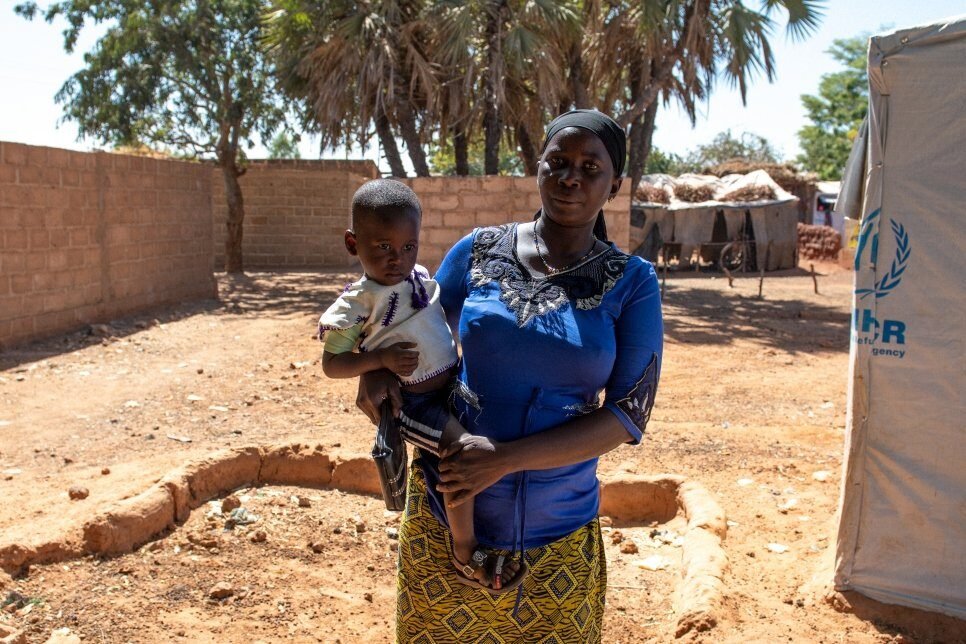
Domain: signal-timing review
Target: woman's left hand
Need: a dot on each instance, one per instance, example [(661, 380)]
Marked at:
[(469, 466)]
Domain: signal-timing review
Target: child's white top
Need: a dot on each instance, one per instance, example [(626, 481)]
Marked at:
[(378, 316)]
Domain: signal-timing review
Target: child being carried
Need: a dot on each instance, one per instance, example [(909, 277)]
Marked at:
[(391, 319)]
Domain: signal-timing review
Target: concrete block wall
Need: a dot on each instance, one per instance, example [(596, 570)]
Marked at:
[(454, 206), (296, 212), (89, 237)]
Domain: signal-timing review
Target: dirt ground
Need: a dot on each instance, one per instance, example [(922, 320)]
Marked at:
[(751, 405)]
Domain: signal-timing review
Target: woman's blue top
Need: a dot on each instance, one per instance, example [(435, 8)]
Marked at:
[(537, 352)]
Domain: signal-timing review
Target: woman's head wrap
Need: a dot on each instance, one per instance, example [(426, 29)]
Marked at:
[(607, 130)]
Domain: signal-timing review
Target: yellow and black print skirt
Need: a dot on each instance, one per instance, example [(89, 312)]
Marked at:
[(563, 594)]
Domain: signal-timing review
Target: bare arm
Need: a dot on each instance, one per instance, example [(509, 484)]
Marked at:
[(477, 462), (401, 358), (350, 365)]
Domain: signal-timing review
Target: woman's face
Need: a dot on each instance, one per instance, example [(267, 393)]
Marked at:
[(576, 177)]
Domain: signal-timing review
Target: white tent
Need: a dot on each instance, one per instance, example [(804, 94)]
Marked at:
[(902, 526)]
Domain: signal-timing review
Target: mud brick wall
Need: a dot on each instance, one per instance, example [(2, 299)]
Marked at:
[(454, 206), (296, 212), (818, 242), (88, 237)]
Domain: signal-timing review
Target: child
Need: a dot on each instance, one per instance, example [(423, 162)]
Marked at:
[(378, 323)]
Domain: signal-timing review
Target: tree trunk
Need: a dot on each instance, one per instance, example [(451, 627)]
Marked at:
[(407, 128), (236, 213), (578, 80), (461, 150), (492, 119), (642, 131), (388, 143), (527, 150)]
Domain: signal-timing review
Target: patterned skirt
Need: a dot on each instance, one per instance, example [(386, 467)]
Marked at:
[(562, 600)]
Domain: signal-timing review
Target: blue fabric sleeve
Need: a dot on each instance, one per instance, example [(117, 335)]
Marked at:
[(640, 341), (452, 277)]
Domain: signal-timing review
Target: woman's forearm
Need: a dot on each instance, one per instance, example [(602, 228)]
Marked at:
[(576, 441)]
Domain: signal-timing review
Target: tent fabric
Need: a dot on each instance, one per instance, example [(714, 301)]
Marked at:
[(902, 521)]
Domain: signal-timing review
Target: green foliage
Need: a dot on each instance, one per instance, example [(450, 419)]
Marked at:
[(284, 146), (661, 162), (442, 160), (836, 112), (188, 75), (724, 147)]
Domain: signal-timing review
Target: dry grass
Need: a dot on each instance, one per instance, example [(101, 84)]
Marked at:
[(784, 174), (750, 193), (693, 193), (652, 194)]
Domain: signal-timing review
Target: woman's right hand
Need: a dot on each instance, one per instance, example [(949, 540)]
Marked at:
[(374, 387)]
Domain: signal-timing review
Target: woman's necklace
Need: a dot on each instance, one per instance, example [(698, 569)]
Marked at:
[(550, 269)]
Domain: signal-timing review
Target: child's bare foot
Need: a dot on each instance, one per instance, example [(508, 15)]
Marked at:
[(493, 572)]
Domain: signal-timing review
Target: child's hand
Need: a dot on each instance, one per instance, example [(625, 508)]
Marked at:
[(400, 358)]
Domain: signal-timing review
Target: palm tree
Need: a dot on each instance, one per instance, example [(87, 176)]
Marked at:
[(507, 52), (357, 64), (675, 49)]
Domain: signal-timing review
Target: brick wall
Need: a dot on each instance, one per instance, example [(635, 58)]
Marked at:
[(93, 236), (296, 212), (453, 206)]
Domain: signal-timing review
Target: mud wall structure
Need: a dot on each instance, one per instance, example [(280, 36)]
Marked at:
[(88, 237), (296, 212), (454, 206)]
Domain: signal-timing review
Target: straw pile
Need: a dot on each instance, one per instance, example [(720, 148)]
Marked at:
[(784, 174), (650, 193), (750, 193), (693, 193)]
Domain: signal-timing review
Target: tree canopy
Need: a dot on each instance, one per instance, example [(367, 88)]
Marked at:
[(836, 112), (188, 75), (499, 70), (747, 146)]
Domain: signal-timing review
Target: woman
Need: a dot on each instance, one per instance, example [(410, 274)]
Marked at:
[(549, 314)]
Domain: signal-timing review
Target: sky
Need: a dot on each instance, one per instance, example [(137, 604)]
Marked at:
[(33, 66)]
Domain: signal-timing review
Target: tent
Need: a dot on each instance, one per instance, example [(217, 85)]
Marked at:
[(707, 225), (902, 514)]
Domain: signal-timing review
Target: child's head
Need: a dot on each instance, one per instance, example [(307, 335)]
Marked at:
[(385, 230)]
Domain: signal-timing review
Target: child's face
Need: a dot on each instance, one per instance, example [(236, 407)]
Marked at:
[(386, 246)]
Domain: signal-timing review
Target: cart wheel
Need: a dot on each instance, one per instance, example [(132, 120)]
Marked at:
[(733, 256)]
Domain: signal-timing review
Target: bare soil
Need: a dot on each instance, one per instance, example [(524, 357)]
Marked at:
[(752, 405)]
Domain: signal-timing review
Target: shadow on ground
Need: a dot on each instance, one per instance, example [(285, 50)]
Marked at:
[(710, 316), (270, 294)]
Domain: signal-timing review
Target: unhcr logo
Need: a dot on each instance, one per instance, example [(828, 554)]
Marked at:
[(888, 337)]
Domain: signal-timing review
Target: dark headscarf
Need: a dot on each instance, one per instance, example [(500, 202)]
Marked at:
[(610, 134), (607, 130)]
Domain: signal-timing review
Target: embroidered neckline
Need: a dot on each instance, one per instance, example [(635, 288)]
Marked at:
[(563, 271), (583, 286)]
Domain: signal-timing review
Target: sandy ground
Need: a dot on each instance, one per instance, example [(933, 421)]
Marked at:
[(752, 405)]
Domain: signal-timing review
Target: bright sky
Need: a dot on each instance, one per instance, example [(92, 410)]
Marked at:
[(33, 66)]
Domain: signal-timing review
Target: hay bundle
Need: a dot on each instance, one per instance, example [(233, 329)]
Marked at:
[(650, 193), (784, 174), (751, 193), (693, 193)]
